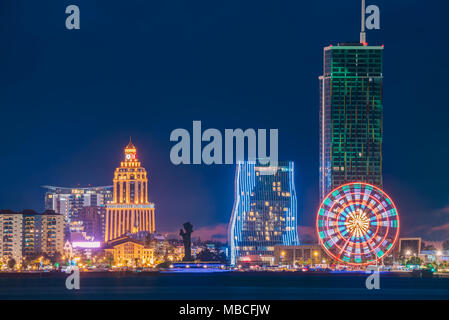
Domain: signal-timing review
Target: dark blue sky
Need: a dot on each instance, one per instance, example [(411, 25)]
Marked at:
[(70, 99)]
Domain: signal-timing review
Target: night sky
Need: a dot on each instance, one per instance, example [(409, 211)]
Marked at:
[(70, 99)]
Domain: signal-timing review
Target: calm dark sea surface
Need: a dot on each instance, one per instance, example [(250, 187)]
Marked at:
[(222, 285)]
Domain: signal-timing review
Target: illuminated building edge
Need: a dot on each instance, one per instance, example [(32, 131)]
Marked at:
[(245, 183)]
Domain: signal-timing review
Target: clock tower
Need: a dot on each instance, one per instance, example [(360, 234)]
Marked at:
[(130, 210)]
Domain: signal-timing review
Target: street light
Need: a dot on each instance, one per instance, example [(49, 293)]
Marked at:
[(282, 257), (439, 254), (315, 254), (408, 253)]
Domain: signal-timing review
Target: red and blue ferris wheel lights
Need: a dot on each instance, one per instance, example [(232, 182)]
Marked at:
[(357, 224)]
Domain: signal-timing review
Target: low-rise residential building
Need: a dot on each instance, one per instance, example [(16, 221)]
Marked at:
[(300, 255), (434, 256)]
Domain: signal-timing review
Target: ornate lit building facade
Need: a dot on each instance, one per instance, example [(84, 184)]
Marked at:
[(129, 252), (130, 210)]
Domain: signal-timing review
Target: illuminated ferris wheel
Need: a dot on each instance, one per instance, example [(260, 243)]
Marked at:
[(357, 224)]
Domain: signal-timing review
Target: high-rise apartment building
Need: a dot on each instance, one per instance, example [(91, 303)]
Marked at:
[(93, 221), (11, 225), (351, 115), (265, 212), (28, 233), (130, 210), (68, 201), (52, 232)]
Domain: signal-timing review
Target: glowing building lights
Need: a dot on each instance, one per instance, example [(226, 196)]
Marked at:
[(86, 244), (351, 116), (130, 211), (262, 216), (69, 201)]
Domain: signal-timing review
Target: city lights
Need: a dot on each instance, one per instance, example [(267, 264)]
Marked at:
[(86, 244), (345, 197), (248, 231), (130, 210)]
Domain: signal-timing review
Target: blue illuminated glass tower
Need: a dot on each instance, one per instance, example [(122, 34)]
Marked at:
[(264, 213)]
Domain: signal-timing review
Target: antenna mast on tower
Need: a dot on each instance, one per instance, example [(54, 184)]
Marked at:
[(363, 34)]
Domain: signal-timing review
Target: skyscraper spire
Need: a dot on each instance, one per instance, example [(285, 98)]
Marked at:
[(130, 144), (362, 33)]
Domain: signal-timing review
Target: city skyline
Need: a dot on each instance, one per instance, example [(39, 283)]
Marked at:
[(49, 143), (224, 158)]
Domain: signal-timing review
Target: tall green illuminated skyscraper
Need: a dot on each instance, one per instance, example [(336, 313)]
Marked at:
[(351, 115)]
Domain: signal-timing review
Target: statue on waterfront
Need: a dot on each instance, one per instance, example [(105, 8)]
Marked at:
[(186, 238)]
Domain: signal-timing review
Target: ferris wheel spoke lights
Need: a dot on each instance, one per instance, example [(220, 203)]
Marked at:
[(357, 224)]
